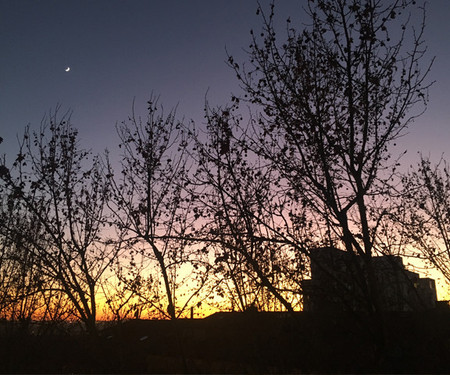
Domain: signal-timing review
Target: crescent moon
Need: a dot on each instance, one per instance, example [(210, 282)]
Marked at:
[(67, 69)]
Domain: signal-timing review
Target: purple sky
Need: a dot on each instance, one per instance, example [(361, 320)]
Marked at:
[(120, 50), (117, 51)]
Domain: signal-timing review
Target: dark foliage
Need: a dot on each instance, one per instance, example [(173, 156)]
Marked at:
[(238, 343)]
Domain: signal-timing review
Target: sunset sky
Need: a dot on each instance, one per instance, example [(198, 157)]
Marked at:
[(121, 50), (124, 50)]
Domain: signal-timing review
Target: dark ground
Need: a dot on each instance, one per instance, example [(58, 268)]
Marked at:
[(239, 343)]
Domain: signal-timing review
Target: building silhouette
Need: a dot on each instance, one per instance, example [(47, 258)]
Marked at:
[(339, 283)]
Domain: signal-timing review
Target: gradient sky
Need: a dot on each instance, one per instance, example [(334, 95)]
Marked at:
[(119, 50)]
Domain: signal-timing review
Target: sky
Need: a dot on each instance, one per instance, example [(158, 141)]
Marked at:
[(120, 51)]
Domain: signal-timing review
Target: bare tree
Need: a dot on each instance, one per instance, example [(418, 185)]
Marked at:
[(334, 97), (424, 213), (60, 193), (20, 279), (244, 217), (151, 209)]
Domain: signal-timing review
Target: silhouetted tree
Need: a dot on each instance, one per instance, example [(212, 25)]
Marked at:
[(334, 97), (424, 213), (151, 210), (243, 217), (331, 101), (119, 297), (59, 192), (26, 293), (20, 276)]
